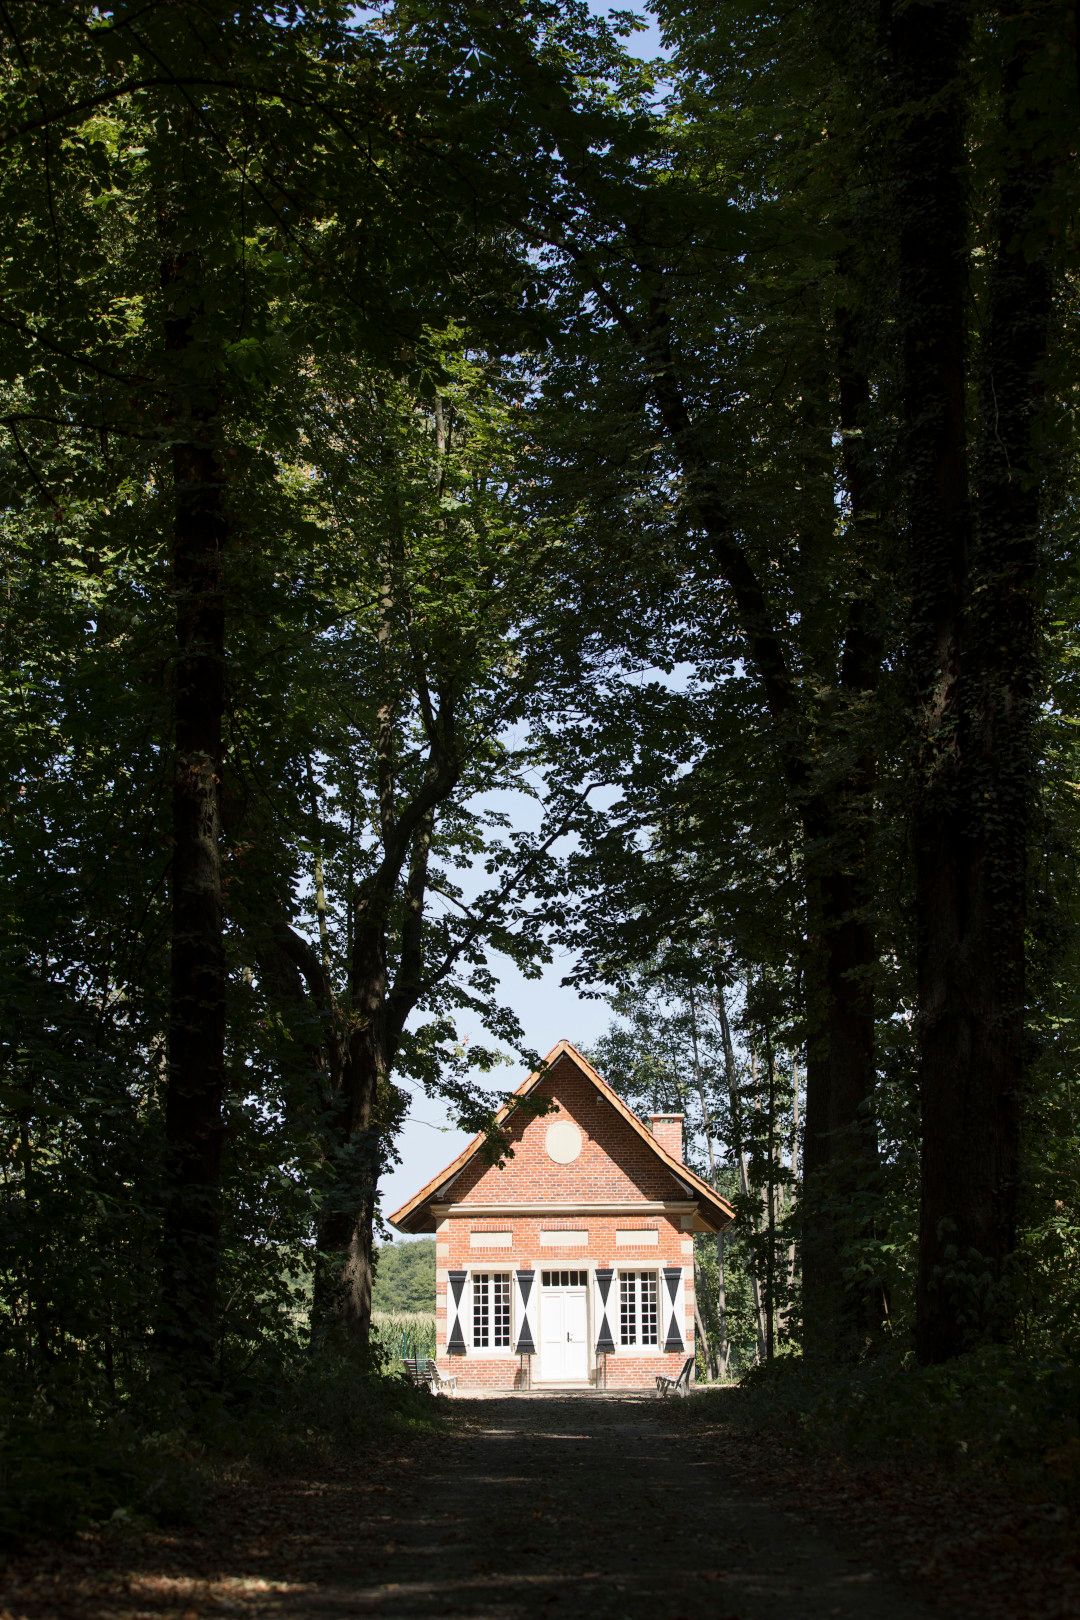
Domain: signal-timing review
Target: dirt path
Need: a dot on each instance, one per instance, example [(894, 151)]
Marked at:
[(577, 1506), (605, 1508)]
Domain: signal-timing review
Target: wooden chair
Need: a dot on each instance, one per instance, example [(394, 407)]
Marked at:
[(416, 1374), (679, 1385), (439, 1382)]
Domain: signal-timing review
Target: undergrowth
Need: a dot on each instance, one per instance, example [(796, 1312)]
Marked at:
[(992, 1412), (158, 1458)]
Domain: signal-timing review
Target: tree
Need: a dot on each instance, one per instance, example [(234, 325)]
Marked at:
[(973, 516), (424, 581), (666, 293)]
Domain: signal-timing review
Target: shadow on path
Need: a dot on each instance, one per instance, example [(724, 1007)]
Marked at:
[(595, 1508), (599, 1508)]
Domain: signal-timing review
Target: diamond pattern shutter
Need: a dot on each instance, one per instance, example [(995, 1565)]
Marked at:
[(455, 1343), (604, 1340), (673, 1279), (526, 1339)]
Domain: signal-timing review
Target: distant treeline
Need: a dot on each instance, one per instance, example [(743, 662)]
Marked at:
[(405, 1277)]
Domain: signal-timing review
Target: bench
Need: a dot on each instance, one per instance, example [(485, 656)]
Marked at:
[(415, 1374), (440, 1381), (426, 1375), (679, 1385)]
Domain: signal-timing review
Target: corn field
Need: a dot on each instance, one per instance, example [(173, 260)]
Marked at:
[(405, 1333)]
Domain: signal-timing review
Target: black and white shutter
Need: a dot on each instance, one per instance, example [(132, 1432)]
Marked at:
[(526, 1339), (673, 1307), (455, 1292), (604, 1340)]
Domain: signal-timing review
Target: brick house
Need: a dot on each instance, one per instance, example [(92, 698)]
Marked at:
[(573, 1263)]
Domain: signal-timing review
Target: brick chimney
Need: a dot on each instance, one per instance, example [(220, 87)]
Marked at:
[(668, 1130)]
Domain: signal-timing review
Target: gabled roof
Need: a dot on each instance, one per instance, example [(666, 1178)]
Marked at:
[(414, 1216)]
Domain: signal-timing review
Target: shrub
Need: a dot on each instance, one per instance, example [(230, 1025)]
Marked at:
[(160, 1458), (992, 1410)]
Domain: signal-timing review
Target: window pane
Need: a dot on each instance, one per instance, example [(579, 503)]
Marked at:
[(628, 1307), (648, 1307), (500, 1335), (481, 1316)]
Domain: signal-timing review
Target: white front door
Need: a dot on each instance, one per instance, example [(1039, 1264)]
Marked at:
[(564, 1328)]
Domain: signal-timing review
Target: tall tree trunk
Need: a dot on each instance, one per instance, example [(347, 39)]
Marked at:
[(929, 52), (770, 1196), (841, 1152), (716, 1350), (344, 1260), (699, 1084), (194, 1125), (700, 1336), (345, 1248), (723, 1349), (838, 836), (973, 658), (792, 1254), (738, 1143), (840, 1149)]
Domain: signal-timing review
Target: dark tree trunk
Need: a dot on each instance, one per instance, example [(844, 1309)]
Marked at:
[(187, 1322), (838, 827), (930, 47), (818, 1243), (840, 1150), (841, 1154), (770, 1197), (377, 1008), (974, 665), (345, 1269), (344, 1264), (738, 1144)]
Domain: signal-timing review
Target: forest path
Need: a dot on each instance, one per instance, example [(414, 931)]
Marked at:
[(602, 1507)]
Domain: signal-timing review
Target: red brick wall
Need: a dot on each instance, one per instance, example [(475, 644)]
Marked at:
[(614, 1162)]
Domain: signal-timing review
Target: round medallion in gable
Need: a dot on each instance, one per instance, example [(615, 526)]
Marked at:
[(563, 1141)]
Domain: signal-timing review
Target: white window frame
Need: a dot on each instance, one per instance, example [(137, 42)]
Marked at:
[(500, 1351), (635, 1346)]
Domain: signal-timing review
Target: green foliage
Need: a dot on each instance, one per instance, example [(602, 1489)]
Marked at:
[(404, 1333), (995, 1411), (496, 677), (61, 1474), (405, 1277), (159, 1460)]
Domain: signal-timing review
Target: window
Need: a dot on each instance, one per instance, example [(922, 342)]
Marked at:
[(491, 1310), (563, 1279), (637, 1307)]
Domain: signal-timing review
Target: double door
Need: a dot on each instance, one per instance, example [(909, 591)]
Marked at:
[(564, 1327)]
